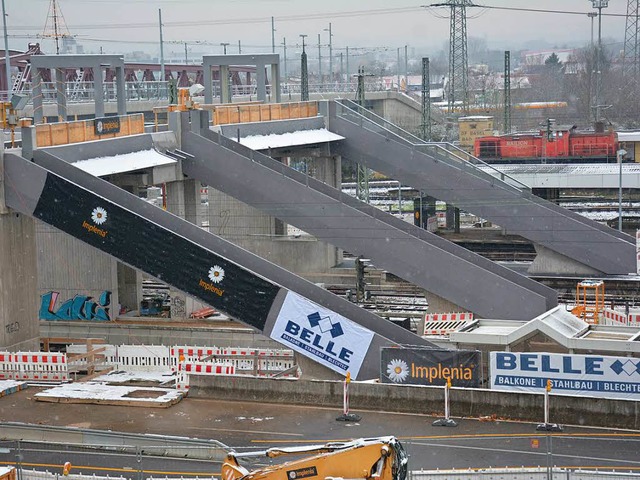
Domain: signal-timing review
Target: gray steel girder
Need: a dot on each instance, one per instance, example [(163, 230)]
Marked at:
[(517, 212), (439, 266), (27, 180)]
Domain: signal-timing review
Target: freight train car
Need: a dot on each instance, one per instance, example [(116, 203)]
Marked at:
[(557, 146)]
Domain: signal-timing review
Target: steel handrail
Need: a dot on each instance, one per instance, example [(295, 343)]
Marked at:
[(455, 156)]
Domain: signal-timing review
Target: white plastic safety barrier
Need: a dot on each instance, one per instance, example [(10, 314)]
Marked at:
[(185, 370), (108, 356), (445, 323), (614, 317), (242, 359), (7, 367), (43, 367), (144, 358)]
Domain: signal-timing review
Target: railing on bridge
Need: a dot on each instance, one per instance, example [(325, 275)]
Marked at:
[(441, 150), (79, 92)]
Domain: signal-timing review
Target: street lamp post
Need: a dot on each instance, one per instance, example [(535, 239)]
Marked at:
[(330, 52), (7, 61), (284, 63), (224, 47), (319, 63), (599, 5)]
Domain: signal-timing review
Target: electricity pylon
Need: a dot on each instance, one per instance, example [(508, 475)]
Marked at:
[(458, 90), (55, 26), (631, 64)]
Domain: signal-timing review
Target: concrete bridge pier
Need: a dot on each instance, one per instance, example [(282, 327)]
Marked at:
[(19, 326), (183, 200)]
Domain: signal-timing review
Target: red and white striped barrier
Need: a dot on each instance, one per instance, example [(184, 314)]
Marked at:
[(445, 323), (240, 358), (43, 367), (185, 370), (209, 369), (448, 317), (614, 317)]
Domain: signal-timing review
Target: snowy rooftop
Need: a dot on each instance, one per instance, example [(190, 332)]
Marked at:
[(128, 162), (629, 136), (568, 169), (291, 139)]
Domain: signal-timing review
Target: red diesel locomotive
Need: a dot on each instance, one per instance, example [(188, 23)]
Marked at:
[(557, 146)]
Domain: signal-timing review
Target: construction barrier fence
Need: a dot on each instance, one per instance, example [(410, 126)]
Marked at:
[(34, 366), (615, 317), (444, 323)]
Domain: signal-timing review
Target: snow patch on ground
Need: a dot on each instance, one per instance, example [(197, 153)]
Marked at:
[(101, 391)]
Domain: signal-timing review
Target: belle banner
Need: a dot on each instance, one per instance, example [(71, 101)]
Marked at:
[(422, 366), (322, 335), (580, 375)]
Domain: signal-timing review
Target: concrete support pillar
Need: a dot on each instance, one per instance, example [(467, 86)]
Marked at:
[(312, 370), (548, 261), (261, 82), (275, 82), (121, 93), (19, 326), (224, 84), (208, 86), (61, 94), (98, 84), (129, 289), (36, 93), (129, 279), (438, 304), (183, 199)]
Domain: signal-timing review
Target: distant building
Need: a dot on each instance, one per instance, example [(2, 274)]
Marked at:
[(540, 56)]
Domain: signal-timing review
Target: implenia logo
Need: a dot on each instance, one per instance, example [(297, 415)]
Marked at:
[(397, 370), (98, 217), (216, 276)]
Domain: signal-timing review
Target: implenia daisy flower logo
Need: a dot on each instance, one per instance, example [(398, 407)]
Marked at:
[(397, 370), (216, 274), (99, 215)]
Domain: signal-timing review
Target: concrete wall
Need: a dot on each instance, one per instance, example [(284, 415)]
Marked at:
[(71, 267), (428, 400), (400, 110), (158, 334), (18, 281), (255, 231)]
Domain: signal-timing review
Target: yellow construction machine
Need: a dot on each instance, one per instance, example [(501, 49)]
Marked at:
[(381, 458)]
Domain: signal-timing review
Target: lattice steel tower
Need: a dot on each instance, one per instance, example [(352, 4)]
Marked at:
[(304, 75), (631, 53), (426, 101), (55, 26), (507, 91), (458, 60)]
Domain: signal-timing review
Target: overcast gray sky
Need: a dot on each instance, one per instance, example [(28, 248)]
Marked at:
[(361, 23)]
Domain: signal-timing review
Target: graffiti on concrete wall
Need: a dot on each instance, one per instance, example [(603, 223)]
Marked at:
[(80, 307)]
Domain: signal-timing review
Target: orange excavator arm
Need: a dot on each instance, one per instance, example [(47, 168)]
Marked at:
[(381, 458)]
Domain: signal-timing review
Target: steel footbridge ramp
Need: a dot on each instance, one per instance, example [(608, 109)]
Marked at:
[(449, 174), (277, 303), (422, 258)]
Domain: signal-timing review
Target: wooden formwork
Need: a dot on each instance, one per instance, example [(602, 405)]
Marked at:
[(63, 133), (244, 113)]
